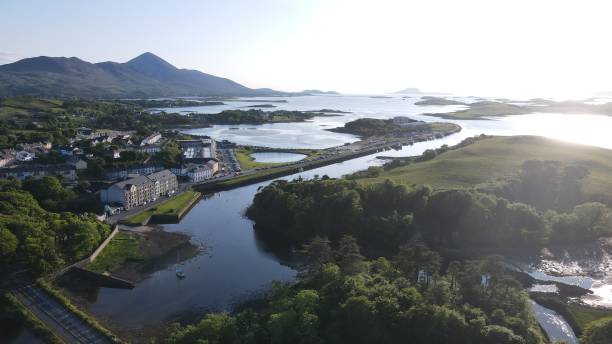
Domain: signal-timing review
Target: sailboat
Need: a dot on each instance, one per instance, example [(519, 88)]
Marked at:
[(179, 272)]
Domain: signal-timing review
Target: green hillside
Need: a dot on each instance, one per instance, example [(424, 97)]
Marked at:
[(498, 157)]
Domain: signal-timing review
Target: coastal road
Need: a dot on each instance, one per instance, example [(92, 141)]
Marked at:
[(61, 321)]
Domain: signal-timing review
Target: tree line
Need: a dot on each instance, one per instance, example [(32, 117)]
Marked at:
[(341, 297), (34, 236), (383, 216)]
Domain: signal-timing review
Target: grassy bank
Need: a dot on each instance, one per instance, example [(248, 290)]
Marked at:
[(61, 298), (171, 208), (482, 109), (247, 162), (123, 248), (499, 157), (14, 313), (577, 315)]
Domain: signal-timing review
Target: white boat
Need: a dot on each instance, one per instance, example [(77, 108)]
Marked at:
[(180, 274)]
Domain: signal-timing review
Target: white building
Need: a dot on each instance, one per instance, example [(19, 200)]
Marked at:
[(24, 156), (151, 139), (66, 172), (198, 172), (140, 190)]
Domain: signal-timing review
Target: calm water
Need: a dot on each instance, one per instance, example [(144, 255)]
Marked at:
[(235, 264), (277, 157), (555, 326)]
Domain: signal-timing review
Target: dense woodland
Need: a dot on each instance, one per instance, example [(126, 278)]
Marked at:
[(38, 231), (531, 209), (255, 116), (342, 298)]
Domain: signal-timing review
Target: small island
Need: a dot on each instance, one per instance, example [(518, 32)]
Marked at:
[(488, 108), (429, 100), (396, 127), (260, 106), (253, 116), (171, 103)]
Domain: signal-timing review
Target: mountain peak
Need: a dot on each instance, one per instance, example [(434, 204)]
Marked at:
[(150, 63)]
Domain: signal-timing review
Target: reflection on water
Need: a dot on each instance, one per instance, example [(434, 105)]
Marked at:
[(555, 326), (277, 157), (544, 288), (584, 129)]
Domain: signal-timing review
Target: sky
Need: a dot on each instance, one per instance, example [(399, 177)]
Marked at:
[(489, 48)]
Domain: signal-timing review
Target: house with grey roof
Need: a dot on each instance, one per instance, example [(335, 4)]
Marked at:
[(140, 190)]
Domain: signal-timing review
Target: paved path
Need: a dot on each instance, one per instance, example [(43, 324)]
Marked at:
[(66, 325)]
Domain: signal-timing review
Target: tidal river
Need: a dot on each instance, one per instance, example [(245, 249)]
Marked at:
[(233, 264)]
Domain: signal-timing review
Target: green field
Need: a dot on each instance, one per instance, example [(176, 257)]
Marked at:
[(499, 157), (482, 109), (124, 247), (171, 207)]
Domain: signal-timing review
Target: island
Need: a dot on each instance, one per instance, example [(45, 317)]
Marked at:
[(260, 106), (171, 102), (430, 100), (489, 108), (396, 127), (409, 90), (253, 116)]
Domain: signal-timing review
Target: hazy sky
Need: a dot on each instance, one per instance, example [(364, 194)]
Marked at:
[(485, 47)]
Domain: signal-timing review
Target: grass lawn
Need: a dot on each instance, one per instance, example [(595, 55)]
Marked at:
[(124, 247), (500, 157), (171, 207)]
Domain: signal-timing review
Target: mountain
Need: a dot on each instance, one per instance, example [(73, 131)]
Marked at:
[(410, 90), (145, 76)]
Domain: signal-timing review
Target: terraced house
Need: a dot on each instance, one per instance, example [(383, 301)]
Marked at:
[(140, 190)]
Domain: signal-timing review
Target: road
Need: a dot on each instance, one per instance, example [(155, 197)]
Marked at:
[(61, 321)]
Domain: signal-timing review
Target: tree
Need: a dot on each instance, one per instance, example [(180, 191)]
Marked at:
[(318, 253), (412, 259), (598, 332), (349, 256), (8, 243)]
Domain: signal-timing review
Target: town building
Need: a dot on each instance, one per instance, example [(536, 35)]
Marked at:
[(67, 173), (140, 190), (24, 156), (165, 182), (203, 148), (77, 162), (7, 157), (121, 173), (151, 139), (69, 150), (198, 172), (83, 131), (150, 149)]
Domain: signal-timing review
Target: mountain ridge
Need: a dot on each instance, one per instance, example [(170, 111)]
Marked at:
[(145, 76)]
